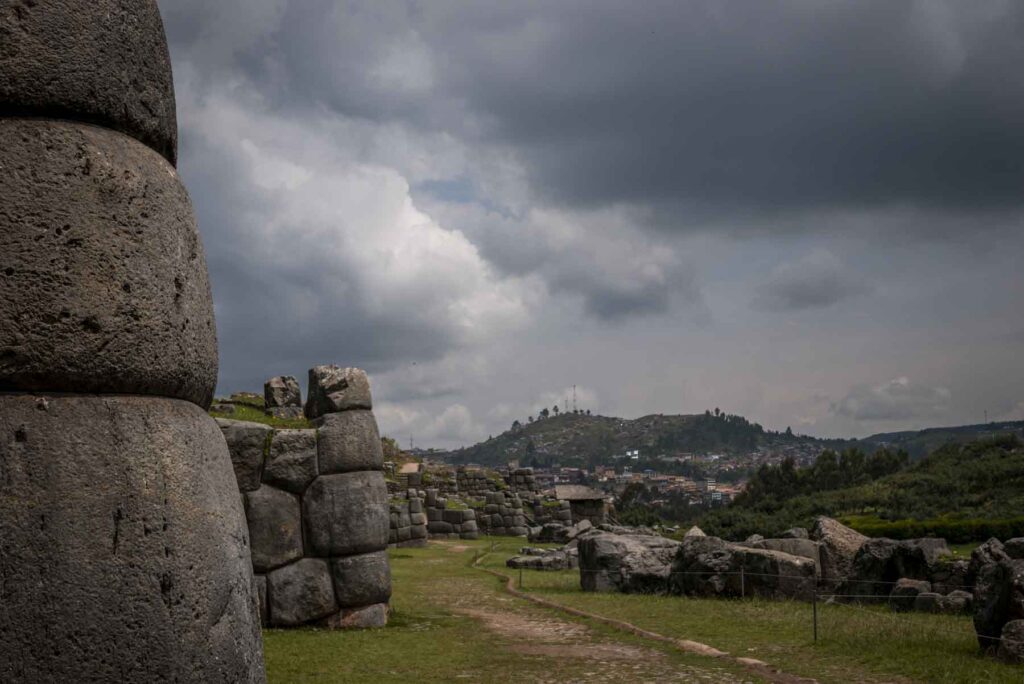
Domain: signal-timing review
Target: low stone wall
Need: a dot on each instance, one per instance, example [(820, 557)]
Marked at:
[(546, 511), (317, 509), (521, 480), (503, 515), (408, 520), (446, 523), (472, 482)]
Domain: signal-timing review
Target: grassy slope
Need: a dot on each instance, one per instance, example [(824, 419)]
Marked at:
[(855, 644), (982, 480)]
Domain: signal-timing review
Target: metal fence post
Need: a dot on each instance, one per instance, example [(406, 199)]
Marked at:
[(814, 604), (520, 578), (743, 583)]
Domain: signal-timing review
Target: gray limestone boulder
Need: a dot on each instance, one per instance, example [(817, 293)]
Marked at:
[(1014, 548), (291, 463), (632, 564), (275, 527), (98, 61), (709, 566), (349, 442), (333, 389), (1011, 645), (957, 602), (795, 533), (839, 547), (998, 599), (906, 591), (115, 506), (346, 514), (104, 284), (928, 602), (984, 554), (794, 546), (881, 562), (248, 444), (300, 592), (361, 580), (282, 391)]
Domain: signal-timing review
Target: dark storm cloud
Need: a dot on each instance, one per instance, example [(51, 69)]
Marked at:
[(707, 105), (815, 281)]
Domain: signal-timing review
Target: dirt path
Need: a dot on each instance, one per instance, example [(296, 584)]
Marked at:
[(576, 652)]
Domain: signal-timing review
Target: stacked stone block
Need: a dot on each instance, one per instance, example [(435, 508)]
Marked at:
[(521, 480), (408, 520), (444, 522), (503, 515), (317, 510), (473, 482), (282, 397), (123, 550), (550, 511)]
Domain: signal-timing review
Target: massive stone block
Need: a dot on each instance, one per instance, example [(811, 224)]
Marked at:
[(333, 389), (123, 550), (300, 592), (361, 580), (282, 391), (291, 464), (103, 285), (275, 527), (98, 61), (247, 444), (349, 441), (346, 514)]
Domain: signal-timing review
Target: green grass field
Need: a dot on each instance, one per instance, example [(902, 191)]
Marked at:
[(453, 622)]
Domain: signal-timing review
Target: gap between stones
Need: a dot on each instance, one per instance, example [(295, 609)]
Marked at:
[(758, 667)]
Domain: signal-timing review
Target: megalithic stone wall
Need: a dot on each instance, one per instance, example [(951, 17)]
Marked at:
[(124, 554), (317, 509)]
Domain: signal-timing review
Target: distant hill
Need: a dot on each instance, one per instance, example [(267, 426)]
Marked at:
[(584, 440), (918, 443)]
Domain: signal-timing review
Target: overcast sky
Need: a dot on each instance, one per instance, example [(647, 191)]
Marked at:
[(807, 213)]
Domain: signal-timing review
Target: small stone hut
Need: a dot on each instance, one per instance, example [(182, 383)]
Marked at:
[(584, 502)]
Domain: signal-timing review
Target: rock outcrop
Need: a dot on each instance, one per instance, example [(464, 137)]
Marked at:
[(711, 567), (880, 563), (839, 547), (632, 564)]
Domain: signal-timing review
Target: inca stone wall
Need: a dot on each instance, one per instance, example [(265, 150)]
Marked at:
[(444, 522), (503, 515), (472, 482), (124, 554), (408, 520), (317, 508)]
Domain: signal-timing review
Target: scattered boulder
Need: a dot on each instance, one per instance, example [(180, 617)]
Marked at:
[(709, 566), (694, 532), (1011, 646), (333, 389), (795, 533), (839, 547), (903, 595), (928, 602), (984, 554), (545, 559), (1014, 548), (754, 538), (794, 546), (281, 392), (957, 602), (998, 599), (626, 563), (881, 562)]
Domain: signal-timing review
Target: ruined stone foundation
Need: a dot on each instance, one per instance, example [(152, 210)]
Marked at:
[(124, 554)]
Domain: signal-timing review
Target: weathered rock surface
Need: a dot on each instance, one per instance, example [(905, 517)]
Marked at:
[(545, 559), (906, 591), (1014, 548), (984, 554), (839, 547), (694, 532), (795, 533), (300, 592), (794, 546), (880, 563), (291, 463), (361, 580), (282, 391), (104, 286), (998, 599), (333, 389), (1011, 647), (346, 514), (633, 564), (275, 527), (247, 444), (709, 566), (98, 61), (113, 507), (367, 617), (349, 442)]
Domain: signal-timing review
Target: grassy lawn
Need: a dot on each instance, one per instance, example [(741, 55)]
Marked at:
[(854, 643), (255, 414), (442, 630)]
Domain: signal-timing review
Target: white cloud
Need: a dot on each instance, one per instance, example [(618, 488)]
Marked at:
[(897, 399)]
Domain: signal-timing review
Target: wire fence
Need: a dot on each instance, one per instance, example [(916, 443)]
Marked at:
[(816, 595)]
